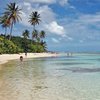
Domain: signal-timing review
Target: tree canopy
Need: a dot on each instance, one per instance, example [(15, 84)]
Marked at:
[(27, 41)]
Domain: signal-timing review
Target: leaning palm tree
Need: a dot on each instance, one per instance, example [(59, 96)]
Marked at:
[(13, 13), (4, 23), (34, 19)]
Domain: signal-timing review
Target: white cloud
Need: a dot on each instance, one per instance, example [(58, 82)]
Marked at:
[(85, 25), (48, 18), (46, 13), (42, 1), (90, 18), (26, 8), (27, 4), (24, 19), (53, 27), (63, 2), (81, 41), (69, 38), (55, 40), (76, 27)]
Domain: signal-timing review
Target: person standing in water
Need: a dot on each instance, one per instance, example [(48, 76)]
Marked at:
[(21, 58), (26, 54)]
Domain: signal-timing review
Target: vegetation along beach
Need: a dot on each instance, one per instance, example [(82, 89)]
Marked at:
[(50, 50)]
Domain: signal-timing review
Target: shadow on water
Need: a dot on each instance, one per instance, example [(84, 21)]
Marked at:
[(71, 63), (81, 70)]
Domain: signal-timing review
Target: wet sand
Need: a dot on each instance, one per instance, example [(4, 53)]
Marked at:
[(29, 80)]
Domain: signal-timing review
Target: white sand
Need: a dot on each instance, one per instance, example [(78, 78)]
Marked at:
[(6, 57)]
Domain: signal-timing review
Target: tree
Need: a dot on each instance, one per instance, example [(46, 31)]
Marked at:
[(44, 45), (26, 36), (4, 23), (42, 34), (34, 35), (13, 13), (34, 19)]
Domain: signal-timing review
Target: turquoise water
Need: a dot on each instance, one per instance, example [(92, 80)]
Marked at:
[(58, 78)]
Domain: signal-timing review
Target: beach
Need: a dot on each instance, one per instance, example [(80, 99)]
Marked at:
[(4, 58), (50, 78)]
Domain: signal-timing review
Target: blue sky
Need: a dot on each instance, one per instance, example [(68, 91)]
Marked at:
[(70, 25)]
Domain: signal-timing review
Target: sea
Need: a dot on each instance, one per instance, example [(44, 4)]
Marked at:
[(63, 77)]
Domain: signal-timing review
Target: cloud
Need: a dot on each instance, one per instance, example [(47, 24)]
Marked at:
[(46, 13), (90, 19), (42, 1), (78, 27), (26, 8), (55, 40), (63, 2), (81, 41), (69, 38), (48, 18), (55, 28), (82, 27)]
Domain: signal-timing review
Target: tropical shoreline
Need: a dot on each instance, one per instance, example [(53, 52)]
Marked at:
[(4, 58)]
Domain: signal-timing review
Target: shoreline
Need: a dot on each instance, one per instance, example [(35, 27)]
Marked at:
[(4, 58)]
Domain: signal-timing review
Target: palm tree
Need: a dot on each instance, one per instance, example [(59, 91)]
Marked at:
[(34, 19), (42, 34), (4, 23), (13, 13), (25, 34), (34, 35), (44, 45)]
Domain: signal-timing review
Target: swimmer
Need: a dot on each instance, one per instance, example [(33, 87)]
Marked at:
[(21, 58)]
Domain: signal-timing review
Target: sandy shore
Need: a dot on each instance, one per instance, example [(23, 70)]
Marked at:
[(6, 57)]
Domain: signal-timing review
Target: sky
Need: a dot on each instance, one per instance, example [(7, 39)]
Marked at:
[(70, 25)]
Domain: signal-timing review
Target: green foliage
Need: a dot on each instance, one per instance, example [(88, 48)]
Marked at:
[(11, 15), (7, 46), (17, 44), (37, 48), (34, 18)]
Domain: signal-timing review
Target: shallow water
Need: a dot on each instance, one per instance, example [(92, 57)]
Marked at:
[(60, 78)]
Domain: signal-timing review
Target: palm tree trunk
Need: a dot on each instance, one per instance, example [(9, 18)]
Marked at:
[(11, 31), (32, 34), (5, 32)]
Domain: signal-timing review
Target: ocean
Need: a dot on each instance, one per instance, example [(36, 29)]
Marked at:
[(75, 77)]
